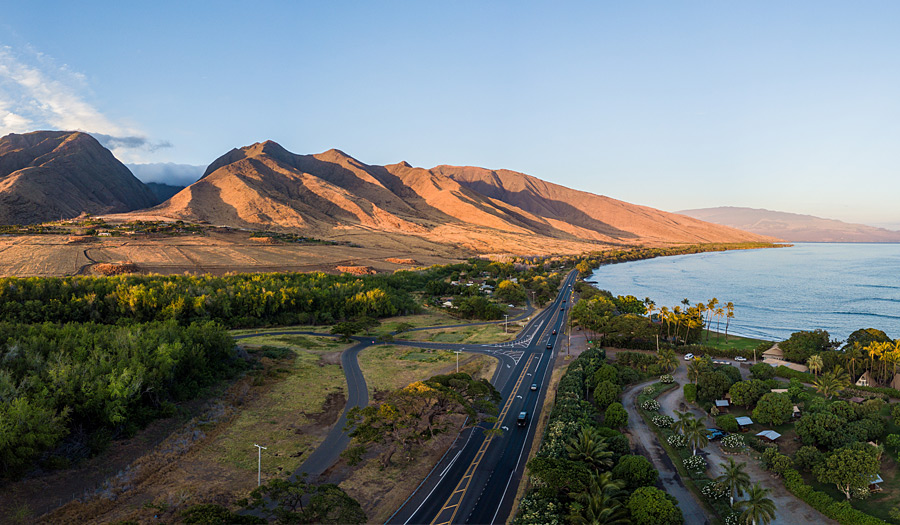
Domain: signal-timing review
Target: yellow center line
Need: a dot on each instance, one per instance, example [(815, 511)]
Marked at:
[(463, 484)]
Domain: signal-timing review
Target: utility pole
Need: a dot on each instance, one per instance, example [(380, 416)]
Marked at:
[(457, 352), (259, 464), (506, 324)]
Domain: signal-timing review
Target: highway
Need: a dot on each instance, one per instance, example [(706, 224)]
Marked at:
[(476, 480)]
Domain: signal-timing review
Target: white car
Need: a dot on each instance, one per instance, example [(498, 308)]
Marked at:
[(688, 357), (740, 358)]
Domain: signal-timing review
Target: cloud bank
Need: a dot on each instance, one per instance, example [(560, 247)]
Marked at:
[(167, 173), (36, 93)]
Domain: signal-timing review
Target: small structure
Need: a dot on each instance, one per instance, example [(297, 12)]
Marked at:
[(743, 421), (779, 390), (873, 485), (856, 399), (447, 304), (773, 353), (865, 380), (722, 405), (895, 383), (796, 412), (771, 435)]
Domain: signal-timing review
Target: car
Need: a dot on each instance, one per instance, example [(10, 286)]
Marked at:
[(522, 419), (564, 300), (713, 434), (740, 358), (549, 346), (533, 387), (553, 332), (512, 306), (688, 357), (561, 308)]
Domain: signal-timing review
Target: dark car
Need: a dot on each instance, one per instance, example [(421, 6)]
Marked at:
[(522, 419), (533, 386), (713, 434), (549, 346), (553, 332)]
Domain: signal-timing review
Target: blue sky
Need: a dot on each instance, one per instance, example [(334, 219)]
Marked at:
[(787, 106)]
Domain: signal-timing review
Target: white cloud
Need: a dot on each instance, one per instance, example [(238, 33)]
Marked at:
[(36, 93)]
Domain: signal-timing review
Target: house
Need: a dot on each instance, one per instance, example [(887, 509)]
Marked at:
[(771, 435), (865, 380), (722, 405), (773, 353), (743, 421), (514, 280), (873, 485), (796, 412)]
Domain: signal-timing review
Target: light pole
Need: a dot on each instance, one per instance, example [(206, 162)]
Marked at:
[(506, 324), (259, 464), (457, 352)]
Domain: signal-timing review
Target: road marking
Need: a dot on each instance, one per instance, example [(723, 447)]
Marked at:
[(453, 501)]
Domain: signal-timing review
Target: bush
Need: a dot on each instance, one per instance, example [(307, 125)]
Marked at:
[(605, 394), (773, 408), (762, 371), (616, 416), (648, 390), (822, 502), (666, 379), (651, 505), (694, 463), (651, 405), (807, 457), (690, 393), (790, 373), (733, 441), (635, 471), (714, 490), (677, 441), (727, 422), (663, 421), (892, 441)]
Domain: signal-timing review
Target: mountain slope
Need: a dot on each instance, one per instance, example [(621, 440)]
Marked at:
[(793, 227), (332, 195), (49, 175)]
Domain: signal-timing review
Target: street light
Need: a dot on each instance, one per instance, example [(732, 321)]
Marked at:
[(506, 324), (457, 352), (259, 465)]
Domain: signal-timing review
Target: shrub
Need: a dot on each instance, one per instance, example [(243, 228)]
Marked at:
[(807, 457), (616, 416), (762, 371), (636, 471), (892, 441), (651, 505), (695, 463), (666, 379), (773, 408), (714, 490), (727, 422), (733, 441), (651, 405), (648, 390), (605, 394), (690, 392), (663, 421), (677, 440)]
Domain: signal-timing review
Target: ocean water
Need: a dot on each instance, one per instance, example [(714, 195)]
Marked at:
[(835, 287)]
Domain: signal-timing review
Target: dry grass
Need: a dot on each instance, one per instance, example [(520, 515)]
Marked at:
[(388, 367), (486, 333)]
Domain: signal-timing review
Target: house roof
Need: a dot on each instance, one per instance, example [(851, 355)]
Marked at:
[(743, 421), (771, 434), (877, 479), (856, 400), (721, 402), (781, 362), (775, 352), (779, 390), (865, 377)]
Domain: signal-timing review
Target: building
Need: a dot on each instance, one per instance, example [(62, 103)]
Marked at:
[(865, 380)]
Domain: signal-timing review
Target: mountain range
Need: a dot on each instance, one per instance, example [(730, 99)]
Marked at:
[(793, 227), (52, 175)]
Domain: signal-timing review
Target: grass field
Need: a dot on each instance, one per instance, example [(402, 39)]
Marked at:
[(734, 342), (388, 367), (489, 333)]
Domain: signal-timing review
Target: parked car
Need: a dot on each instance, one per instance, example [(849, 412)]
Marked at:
[(533, 387), (688, 357), (713, 434), (740, 358), (522, 419)]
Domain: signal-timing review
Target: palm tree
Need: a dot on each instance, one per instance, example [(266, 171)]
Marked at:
[(734, 478), (696, 434), (710, 309), (667, 360), (730, 315), (588, 446), (682, 420), (815, 364), (701, 309), (853, 356), (757, 508), (832, 383), (600, 503), (719, 313)]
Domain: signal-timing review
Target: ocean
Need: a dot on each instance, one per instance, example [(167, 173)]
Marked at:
[(835, 287)]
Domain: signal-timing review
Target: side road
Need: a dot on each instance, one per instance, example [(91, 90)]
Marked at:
[(644, 441)]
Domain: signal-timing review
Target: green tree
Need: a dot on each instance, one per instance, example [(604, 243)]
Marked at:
[(801, 345), (814, 363), (773, 409), (510, 292), (605, 394), (635, 471), (848, 468), (693, 430), (762, 371), (616, 416), (747, 393), (757, 508), (734, 478), (346, 329), (651, 505), (600, 503), (712, 385), (302, 502), (667, 360)]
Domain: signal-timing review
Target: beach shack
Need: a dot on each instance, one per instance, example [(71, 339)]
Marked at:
[(743, 421), (865, 380), (722, 405), (771, 435), (873, 485)]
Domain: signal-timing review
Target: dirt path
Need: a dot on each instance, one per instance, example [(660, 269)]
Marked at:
[(789, 509)]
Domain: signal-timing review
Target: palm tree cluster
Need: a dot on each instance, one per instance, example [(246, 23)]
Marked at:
[(757, 508), (680, 322), (604, 499), (693, 430), (832, 383)]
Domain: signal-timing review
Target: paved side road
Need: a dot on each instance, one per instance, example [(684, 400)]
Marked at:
[(644, 441)]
